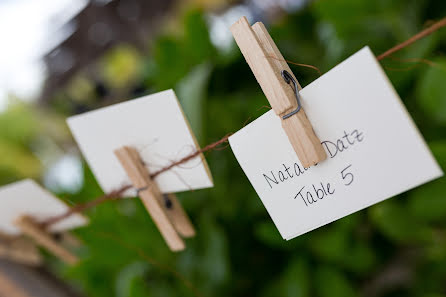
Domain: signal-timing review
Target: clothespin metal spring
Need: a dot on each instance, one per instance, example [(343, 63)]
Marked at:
[(288, 79)]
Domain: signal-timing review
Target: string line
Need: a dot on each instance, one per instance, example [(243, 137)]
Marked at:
[(114, 195), (434, 27)]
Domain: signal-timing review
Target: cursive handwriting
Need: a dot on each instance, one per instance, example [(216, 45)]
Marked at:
[(343, 143), (289, 172)]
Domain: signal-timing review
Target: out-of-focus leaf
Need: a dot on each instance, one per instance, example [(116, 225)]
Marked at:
[(330, 282), (18, 123), (339, 13), (80, 89), (439, 150), (432, 91), (126, 277), (359, 258), (428, 202), (198, 42), (191, 92), (392, 220), (267, 233), (329, 243), (293, 282), (15, 159), (214, 262), (121, 66)]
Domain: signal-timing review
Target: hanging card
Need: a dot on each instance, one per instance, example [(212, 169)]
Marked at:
[(374, 150), (26, 197), (156, 127)]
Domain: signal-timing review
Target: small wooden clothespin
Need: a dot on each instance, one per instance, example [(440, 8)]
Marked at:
[(165, 209), (281, 88), (25, 207), (19, 249), (42, 237)]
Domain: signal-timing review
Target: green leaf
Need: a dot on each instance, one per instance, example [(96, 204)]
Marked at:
[(329, 243), (391, 218), (330, 282), (360, 257), (431, 90), (198, 42), (126, 277), (268, 234), (293, 282), (191, 92), (121, 66), (18, 161), (214, 261), (428, 202)]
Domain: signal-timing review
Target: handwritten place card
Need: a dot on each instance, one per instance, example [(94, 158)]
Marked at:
[(26, 197), (374, 150), (154, 125)]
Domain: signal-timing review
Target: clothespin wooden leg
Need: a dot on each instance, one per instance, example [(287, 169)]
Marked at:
[(178, 216), (168, 216), (32, 229)]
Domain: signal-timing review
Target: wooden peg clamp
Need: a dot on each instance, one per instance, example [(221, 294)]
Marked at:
[(32, 229), (267, 64), (165, 209)]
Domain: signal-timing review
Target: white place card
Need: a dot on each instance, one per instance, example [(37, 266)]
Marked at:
[(374, 150), (26, 197), (156, 127)]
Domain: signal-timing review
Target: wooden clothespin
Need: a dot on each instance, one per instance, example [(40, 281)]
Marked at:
[(165, 209), (42, 237), (275, 77), (19, 249)]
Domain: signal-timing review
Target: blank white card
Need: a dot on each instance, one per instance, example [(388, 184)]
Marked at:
[(156, 127), (374, 150), (26, 197)]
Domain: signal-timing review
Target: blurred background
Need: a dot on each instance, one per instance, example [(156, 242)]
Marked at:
[(60, 57)]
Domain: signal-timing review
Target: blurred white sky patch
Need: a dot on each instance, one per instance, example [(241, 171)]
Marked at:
[(219, 26), (287, 5), (254, 10), (66, 174), (28, 30)]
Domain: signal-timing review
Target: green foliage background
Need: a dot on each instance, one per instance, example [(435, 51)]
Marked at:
[(395, 248)]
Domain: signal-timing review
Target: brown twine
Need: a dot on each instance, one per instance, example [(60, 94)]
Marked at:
[(298, 64), (191, 156), (417, 63), (114, 195), (416, 60), (438, 25)]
